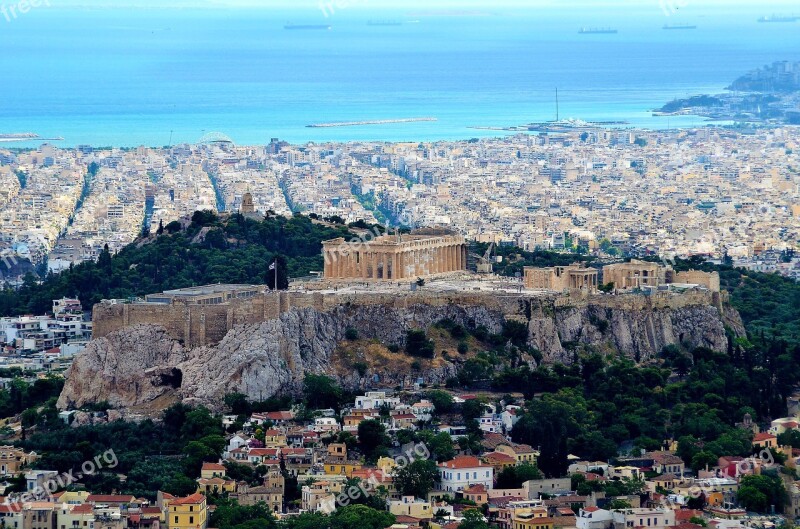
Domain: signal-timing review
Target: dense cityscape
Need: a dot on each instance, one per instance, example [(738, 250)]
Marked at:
[(714, 192), (440, 264)]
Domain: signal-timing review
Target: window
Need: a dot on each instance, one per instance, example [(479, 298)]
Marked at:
[(191, 519), (176, 520)]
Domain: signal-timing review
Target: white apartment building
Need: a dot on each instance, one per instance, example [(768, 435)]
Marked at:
[(464, 471), (374, 400), (642, 517)]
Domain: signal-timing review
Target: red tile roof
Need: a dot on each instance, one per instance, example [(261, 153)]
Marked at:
[(192, 499), (463, 462)]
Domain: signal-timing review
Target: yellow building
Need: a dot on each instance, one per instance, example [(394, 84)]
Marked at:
[(345, 468), (411, 506), (521, 453), (215, 486), (71, 497), (531, 521), (274, 438), (188, 513), (70, 516), (212, 470)]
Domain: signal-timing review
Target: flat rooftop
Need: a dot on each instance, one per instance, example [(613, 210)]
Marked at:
[(210, 289)]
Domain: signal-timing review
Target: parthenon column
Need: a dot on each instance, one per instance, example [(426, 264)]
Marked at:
[(362, 261), (395, 265), (401, 273)]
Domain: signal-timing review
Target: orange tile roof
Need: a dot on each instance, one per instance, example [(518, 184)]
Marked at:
[(192, 499), (463, 462)]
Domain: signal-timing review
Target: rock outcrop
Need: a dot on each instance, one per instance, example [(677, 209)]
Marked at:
[(143, 367)]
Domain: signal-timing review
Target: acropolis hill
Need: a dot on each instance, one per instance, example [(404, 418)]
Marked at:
[(146, 355)]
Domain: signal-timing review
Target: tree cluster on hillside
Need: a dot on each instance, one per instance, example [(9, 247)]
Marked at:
[(155, 456), (209, 250)]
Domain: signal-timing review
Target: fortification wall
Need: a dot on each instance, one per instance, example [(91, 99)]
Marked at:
[(710, 280), (198, 325)]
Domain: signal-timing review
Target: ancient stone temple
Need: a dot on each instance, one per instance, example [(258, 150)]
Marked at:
[(573, 277), (394, 257)]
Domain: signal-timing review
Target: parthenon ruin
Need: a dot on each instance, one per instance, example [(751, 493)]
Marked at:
[(394, 257)]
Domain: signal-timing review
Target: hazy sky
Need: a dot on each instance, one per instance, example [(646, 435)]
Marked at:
[(483, 5)]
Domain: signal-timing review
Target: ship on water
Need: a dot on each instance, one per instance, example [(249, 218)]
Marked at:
[(598, 31), (307, 26), (678, 26), (780, 18)]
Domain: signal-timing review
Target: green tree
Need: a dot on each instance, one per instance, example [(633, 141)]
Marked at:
[(229, 514), (237, 403), (441, 445), (473, 519), (703, 459), (418, 344), (321, 392), (760, 493), (360, 517), (372, 437), (417, 478), (442, 401)]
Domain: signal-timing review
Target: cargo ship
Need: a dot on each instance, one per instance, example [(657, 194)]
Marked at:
[(679, 26), (598, 31), (780, 18), (307, 26)]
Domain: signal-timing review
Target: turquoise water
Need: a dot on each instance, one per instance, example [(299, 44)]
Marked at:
[(127, 77)]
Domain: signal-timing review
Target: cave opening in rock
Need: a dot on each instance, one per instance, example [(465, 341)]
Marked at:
[(173, 379)]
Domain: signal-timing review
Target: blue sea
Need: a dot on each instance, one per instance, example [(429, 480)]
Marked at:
[(131, 76)]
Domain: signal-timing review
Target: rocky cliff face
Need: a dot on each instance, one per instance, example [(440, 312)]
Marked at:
[(143, 368)]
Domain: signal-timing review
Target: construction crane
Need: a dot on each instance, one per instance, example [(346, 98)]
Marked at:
[(485, 261)]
